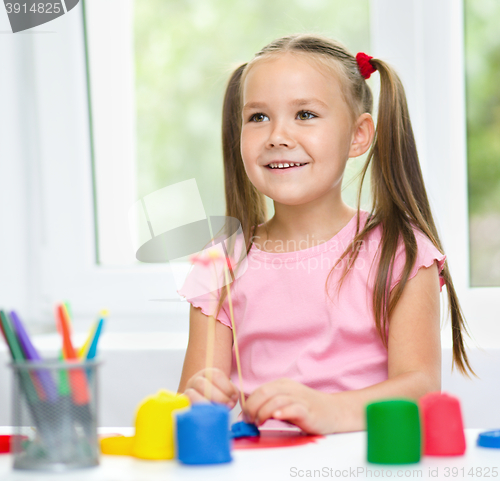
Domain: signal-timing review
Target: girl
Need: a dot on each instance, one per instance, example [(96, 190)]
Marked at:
[(338, 306)]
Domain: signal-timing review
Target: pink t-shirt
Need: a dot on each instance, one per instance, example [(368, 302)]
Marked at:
[(286, 325)]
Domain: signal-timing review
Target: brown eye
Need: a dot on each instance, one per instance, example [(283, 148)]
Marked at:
[(305, 115), (258, 118)]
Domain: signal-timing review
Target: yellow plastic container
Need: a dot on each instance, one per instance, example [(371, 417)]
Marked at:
[(154, 437)]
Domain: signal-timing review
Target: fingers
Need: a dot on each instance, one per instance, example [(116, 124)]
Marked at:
[(213, 383), (204, 388), (264, 399), (195, 397), (285, 400), (294, 413), (270, 408), (285, 408), (223, 383)]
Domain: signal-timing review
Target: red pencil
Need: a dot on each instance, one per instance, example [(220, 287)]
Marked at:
[(77, 378)]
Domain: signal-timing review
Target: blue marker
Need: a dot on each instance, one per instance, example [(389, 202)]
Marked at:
[(93, 346)]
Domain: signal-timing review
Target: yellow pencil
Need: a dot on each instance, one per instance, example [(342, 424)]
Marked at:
[(82, 352)]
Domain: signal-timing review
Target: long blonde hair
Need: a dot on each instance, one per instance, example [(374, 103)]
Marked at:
[(399, 198)]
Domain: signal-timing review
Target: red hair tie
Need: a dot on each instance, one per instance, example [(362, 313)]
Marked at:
[(365, 66)]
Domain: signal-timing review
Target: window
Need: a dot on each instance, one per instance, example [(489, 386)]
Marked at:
[(157, 84), (482, 63)]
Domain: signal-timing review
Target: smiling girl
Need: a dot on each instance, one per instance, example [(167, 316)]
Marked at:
[(339, 306)]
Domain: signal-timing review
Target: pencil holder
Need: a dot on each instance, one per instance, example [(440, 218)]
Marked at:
[(55, 415)]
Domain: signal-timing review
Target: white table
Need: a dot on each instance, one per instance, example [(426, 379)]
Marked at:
[(339, 456)]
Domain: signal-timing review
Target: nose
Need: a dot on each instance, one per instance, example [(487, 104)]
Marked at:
[(280, 136)]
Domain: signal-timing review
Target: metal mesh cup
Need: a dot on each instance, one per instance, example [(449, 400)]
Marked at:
[(55, 415)]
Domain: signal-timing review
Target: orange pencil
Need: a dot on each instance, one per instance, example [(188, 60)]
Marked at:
[(77, 378)]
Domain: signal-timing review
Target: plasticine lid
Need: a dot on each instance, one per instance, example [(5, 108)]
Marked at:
[(489, 439)]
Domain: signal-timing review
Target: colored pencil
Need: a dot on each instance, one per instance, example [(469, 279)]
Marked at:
[(83, 351), (31, 354), (35, 402), (78, 382), (17, 356), (92, 352)]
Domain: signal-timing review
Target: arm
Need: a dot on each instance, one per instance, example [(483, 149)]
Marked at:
[(194, 375), (414, 368)]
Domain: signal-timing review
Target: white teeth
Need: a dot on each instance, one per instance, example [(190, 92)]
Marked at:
[(284, 166)]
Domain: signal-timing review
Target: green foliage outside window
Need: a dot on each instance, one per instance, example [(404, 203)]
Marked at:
[(184, 54), (482, 56)]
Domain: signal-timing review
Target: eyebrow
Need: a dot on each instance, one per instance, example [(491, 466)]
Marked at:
[(296, 102)]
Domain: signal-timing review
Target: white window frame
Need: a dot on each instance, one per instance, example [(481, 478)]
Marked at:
[(422, 39), (63, 239)]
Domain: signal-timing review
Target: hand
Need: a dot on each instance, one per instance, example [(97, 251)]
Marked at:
[(216, 384), (290, 401)]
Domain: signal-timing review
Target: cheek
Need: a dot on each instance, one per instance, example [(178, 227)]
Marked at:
[(247, 148), (246, 154), (329, 142)]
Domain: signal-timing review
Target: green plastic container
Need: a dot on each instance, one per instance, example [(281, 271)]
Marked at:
[(393, 432)]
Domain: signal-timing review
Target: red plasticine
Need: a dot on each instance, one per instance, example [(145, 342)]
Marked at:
[(270, 438), (5, 443)]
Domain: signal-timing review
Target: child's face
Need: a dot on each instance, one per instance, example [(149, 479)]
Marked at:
[(293, 111)]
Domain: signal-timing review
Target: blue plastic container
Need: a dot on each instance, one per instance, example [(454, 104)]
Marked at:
[(489, 439), (203, 435)]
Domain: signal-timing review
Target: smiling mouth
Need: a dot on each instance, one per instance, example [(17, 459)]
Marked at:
[(284, 165)]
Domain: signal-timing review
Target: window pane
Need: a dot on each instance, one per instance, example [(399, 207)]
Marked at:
[(482, 57), (184, 54), (157, 84)]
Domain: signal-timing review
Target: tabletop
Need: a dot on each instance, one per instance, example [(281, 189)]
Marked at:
[(337, 456)]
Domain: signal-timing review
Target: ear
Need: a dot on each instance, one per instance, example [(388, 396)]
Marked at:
[(363, 134)]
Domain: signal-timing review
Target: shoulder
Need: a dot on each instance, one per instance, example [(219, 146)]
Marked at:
[(426, 252), (425, 246), (426, 255)]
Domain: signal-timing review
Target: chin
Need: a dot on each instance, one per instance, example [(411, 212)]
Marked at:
[(288, 200)]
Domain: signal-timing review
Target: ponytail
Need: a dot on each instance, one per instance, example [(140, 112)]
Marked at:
[(400, 204)]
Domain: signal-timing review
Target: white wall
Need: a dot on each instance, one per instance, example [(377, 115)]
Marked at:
[(16, 121)]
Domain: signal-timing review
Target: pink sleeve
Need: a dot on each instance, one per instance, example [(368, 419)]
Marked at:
[(197, 291), (427, 254)]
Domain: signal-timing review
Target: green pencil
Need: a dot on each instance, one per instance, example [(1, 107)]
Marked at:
[(17, 355)]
